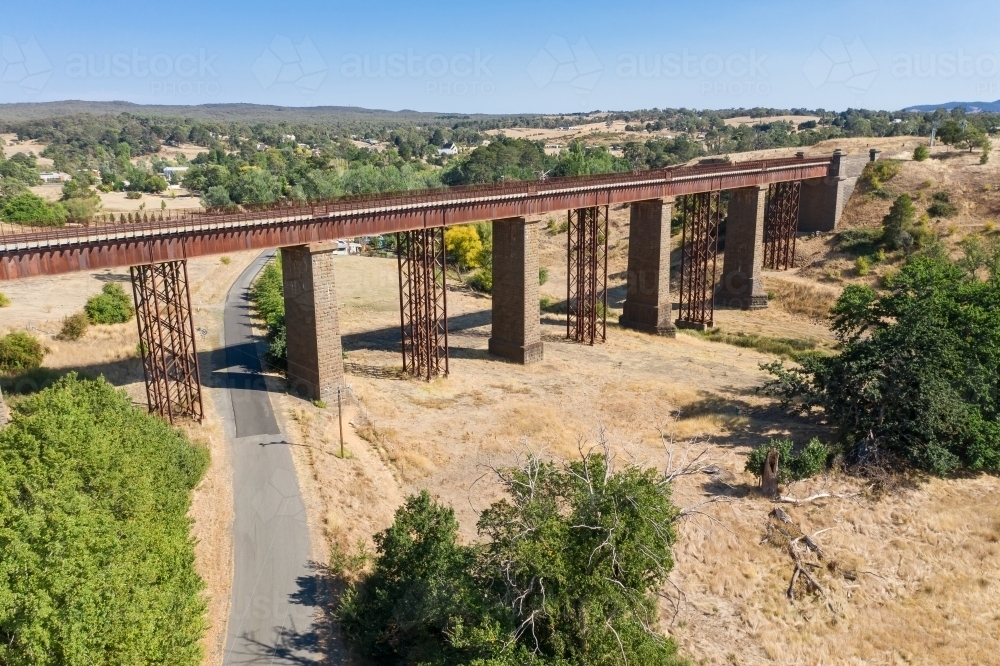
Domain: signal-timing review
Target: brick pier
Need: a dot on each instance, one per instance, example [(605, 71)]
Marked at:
[(517, 331), (742, 285), (647, 301), (315, 356)]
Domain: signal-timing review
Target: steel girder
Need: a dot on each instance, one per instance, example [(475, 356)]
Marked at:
[(702, 216), (586, 286), (781, 222), (423, 302)]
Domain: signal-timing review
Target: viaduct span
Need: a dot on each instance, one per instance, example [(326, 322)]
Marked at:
[(763, 204)]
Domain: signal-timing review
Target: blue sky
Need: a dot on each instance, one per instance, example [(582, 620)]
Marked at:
[(508, 57)]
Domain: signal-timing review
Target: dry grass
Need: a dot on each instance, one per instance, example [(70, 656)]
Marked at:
[(800, 298)]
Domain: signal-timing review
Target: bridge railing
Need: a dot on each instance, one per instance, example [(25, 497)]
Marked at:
[(169, 221)]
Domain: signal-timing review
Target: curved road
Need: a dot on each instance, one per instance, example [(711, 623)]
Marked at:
[(275, 600)]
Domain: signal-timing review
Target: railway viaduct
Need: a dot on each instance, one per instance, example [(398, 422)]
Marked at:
[(768, 202)]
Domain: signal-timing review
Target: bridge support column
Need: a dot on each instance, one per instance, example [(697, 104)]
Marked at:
[(823, 199), (423, 302), (587, 275), (742, 282), (517, 330), (315, 356), (166, 340), (647, 301)]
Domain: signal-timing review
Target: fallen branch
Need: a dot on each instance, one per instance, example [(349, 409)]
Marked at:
[(802, 500)]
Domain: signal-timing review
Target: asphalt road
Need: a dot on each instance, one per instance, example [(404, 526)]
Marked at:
[(275, 600)]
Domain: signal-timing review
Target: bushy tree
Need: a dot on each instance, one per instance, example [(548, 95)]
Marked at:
[(919, 371), (464, 245), (567, 574), (98, 561), (898, 221), (29, 208), (111, 306), (921, 153), (20, 352)]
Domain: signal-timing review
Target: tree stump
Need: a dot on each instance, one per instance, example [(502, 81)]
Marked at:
[(769, 476)]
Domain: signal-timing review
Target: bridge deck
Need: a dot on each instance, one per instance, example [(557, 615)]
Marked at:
[(28, 251)]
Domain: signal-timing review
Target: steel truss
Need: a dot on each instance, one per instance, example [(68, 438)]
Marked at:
[(781, 222), (702, 215), (587, 286), (423, 302), (166, 340)]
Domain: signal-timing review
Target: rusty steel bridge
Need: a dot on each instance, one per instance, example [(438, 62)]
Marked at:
[(38, 251), (766, 204)]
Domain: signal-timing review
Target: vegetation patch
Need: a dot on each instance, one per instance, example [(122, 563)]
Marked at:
[(111, 306), (919, 368), (812, 459), (942, 205), (792, 348), (20, 352), (74, 326), (268, 297), (98, 562), (565, 574)]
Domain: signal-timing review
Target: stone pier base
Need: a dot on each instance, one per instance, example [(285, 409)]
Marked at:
[(647, 301), (315, 355), (517, 331)]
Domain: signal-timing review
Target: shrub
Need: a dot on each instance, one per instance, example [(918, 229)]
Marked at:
[(543, 275), (809, 462), (920, 153), (4, 301), (111, 306), (464, 245), (74, 326), (133, 194), (20, 352), (859, 241), (482, 280), (876, 174), (862, 266), (942, 206), (225, 261), (101, 541)]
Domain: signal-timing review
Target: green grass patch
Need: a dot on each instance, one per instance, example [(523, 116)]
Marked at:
[(791, 348)]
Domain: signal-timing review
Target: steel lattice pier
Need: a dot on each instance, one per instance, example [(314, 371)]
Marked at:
[(166, 340), (423, 302), (781, 222), (702, 215), (586, 288)]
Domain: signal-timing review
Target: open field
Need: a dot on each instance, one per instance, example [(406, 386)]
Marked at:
[(747, 120)]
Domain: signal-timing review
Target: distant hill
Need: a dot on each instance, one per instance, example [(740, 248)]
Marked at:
[(971, 107), (220, 112)]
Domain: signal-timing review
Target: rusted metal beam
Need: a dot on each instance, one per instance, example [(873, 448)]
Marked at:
[(586, 286), (702, 216), (781, 223), (423, 302), (167, 340), (30, 251)]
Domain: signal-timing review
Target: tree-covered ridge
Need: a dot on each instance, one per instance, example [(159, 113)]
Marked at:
[(97, 562)]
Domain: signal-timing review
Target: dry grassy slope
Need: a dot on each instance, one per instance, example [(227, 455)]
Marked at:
[(911, 577)]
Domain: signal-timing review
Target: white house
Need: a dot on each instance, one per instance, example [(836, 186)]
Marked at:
[(448, 149), (54, 177), (168, 172)]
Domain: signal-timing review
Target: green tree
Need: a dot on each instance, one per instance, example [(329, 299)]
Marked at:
[(28, 208), (898, 221), (111, 306), (920, 153), (20, 352), (919, 371), (98, 561), (217, 195), (254, 185)]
